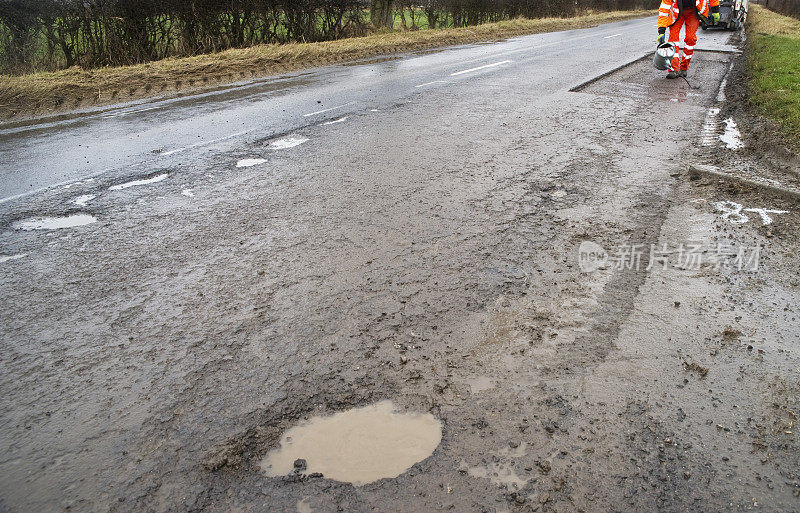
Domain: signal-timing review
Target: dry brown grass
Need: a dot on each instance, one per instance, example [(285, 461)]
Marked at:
[(765, 22), (50, 92)]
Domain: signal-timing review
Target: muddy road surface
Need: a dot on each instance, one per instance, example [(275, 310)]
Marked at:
[(503, 279)]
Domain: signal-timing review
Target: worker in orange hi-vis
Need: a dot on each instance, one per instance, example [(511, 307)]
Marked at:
[(674, 14)]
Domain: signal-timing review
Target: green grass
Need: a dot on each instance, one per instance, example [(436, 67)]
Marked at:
[(774, 67)]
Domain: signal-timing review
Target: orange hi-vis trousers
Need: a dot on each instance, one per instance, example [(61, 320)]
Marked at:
[(684, 54)]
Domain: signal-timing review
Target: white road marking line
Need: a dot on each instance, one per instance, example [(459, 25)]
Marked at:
[(615, 35), (8, 258), (431, 83), (326, 110), (205, 143), (479, 68)]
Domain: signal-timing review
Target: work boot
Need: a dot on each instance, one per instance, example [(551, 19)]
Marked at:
[(673, 74), (682, 73)]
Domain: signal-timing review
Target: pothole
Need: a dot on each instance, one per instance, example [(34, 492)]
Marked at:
[(135, 183), (54, 223), (250, 162), (478, 384), (289, 142), (358, 446), (82, 200), (335, 121)]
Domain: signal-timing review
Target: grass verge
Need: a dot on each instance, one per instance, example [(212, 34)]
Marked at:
[(51, 92), (773, 63)]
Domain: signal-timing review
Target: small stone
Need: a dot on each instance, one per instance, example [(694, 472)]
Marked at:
[(300, 464), (544, 466)]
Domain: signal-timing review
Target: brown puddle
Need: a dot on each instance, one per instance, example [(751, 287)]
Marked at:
[(357, 446)]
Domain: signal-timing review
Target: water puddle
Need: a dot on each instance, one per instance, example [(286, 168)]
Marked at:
[(289, 142), (54, 223), (498, 473), (732, 137), (357, 446), (82, 182), (82, 200), (480, 383), (721, 93), (250, 162), (8, 258), (303, 506), (134, 183)]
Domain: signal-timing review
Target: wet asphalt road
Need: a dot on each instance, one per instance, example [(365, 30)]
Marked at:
[(166, 133), (422, 250)]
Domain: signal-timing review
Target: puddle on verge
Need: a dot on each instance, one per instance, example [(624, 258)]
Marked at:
[(53, 223), (732, 137), (357, 446)]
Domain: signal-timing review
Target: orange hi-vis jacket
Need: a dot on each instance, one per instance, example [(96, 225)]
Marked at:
[(670, 11)]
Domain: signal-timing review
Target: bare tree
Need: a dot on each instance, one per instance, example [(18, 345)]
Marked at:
[(381, 13)]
